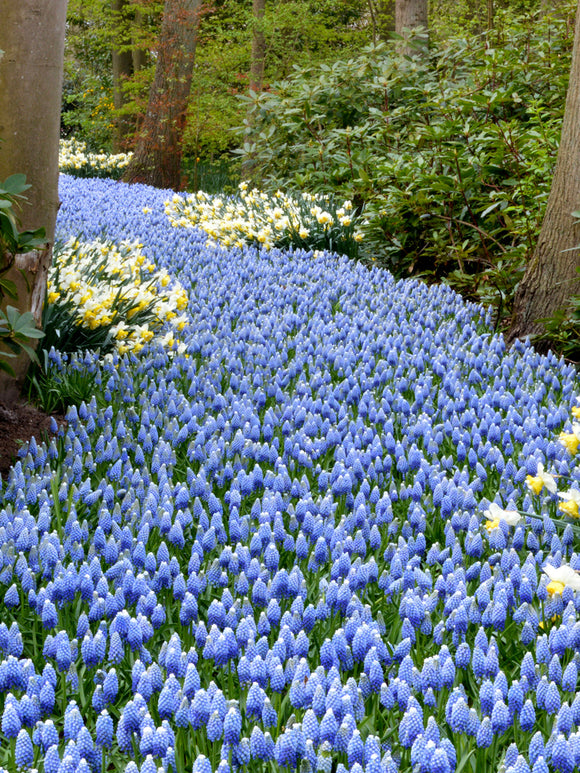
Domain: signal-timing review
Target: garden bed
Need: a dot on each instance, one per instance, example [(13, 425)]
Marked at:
[(310, 531)]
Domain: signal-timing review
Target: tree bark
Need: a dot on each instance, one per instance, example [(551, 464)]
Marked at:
[(410, 14), (157, 155), (31, 71), (551, 277), (122, 57), (257, 62), (138, 52), (258, 47)]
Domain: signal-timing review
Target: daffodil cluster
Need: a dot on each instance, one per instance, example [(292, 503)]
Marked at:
[(268, 220), (75, 159), (105, 295)]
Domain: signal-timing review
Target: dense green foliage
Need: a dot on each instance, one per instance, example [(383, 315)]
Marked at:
[(451, 154), (327, 31)]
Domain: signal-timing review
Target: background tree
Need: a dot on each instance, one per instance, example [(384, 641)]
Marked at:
[(258, 46), (122, 59), (410, 14), (257, 64), (551, 277), (158, 150), (32, 38)]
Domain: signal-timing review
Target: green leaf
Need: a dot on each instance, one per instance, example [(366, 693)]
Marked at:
[(15, 184), (30, 352), (7, 287), (5, 367)]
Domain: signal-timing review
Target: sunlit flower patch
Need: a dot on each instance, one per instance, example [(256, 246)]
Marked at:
[(253, 217), (75, 159), (324, 537), (103, 294)]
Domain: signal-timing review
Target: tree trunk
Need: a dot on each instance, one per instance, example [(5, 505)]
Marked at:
[(410, 14), (122, 70), (138, 52), (258, 47), (157, 156), (551, 277), (31, 70), (257, 62)]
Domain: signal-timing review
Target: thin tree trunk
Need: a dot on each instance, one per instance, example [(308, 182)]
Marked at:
[(551, 277), (138, 52), (490, 14), (157, 156), (410, 14), (122, 70), (257, 63), (31, 70), (258, 47)]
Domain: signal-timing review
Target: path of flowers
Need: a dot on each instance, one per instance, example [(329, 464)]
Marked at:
[(271, 549)]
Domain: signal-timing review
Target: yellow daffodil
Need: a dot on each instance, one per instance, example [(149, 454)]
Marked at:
[(495, 515), (555, 589), (571, 502), (570, 440), (561, 577), (537, 482)]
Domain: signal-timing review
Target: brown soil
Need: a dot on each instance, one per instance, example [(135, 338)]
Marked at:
[(18, 423)]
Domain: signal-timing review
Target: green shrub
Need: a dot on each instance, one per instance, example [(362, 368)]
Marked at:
[(452, 154)]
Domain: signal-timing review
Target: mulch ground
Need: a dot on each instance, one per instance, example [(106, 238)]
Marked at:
[(19, 422)]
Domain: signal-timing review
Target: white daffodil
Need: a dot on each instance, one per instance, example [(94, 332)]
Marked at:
[(561, 577), (542, 478), (571, 502), (495, 514), (570, 440)]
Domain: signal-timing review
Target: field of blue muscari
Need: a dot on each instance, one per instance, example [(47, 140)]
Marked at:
[(269, 551)]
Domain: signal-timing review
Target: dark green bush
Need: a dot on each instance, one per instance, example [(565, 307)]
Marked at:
[(452, 153)]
